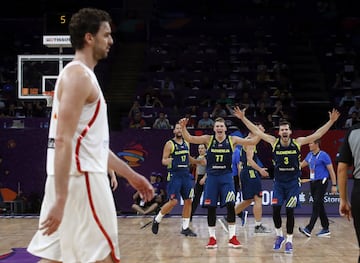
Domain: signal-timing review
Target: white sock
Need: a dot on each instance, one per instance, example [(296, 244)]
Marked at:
[(232, 230), (289, 238), (279, 232), (185, 223), (159, 217), (212, 231)]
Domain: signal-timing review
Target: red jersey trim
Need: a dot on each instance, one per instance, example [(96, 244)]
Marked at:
[(83, 134), (97, 220)]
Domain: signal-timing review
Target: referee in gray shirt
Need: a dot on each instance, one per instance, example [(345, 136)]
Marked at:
[(348, 156)]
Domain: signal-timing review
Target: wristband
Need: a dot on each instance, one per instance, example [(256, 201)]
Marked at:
[(334, 185)]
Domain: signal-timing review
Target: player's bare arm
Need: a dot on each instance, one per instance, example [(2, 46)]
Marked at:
[(250, 159), (241, 141), (166, 159), (113, 179), (303, 164), (333, 116), (136, 180), (201, 161), (195, 161), (190, 138), (240, 114)]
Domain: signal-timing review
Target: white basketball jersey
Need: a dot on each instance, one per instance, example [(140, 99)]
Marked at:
[(91, 138)]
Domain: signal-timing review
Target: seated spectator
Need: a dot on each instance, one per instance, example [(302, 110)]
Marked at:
[(145, 208), (157, 103), (352, 120), (205, 101), (223, 84), (152, 101), (135, 108), (11, 109), (148, 100), (284, 92), (280, 67), (191, 124), (247, 102), (224, 99), (218, 111), (355, 107), (137, 122), (264, 100), (262, 77), (262, 114), (278, 113), (244, 84), (167, 88), (339, 82), (162, 122), (348, 99), (193, 111), (205, 122)]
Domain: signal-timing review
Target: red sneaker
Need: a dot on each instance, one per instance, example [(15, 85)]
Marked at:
[(234, 243), (212, 243)]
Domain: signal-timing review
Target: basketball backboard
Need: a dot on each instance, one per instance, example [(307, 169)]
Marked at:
[(37, 74)]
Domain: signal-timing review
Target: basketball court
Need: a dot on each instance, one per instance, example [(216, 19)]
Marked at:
[(139, 244)]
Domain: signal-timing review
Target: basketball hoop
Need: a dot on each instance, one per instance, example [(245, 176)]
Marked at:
[(49, 96)]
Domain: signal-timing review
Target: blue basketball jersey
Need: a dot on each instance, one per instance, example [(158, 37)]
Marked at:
[(180, 157), (286, 161), (219, 156)]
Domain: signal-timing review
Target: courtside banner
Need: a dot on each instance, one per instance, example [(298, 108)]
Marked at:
[(23, 151)]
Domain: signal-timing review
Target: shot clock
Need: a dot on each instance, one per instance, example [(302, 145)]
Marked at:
[(57, 23)]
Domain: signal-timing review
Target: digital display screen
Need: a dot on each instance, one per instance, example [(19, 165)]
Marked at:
[(57, 23)]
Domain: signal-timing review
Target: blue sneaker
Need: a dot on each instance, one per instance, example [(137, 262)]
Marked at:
[(279, 241), (305, 231), (323, 233), (288, 248), (244, 218)]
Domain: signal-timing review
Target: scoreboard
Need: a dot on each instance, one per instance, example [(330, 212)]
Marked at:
[(57, 23)]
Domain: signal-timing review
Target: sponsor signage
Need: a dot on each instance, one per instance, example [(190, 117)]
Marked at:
[(57, 41)]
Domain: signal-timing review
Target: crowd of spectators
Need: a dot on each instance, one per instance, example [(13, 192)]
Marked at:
[(210, 76), (194, 74)]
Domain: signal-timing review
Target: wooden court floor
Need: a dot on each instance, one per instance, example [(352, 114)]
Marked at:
[(138, 244)]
